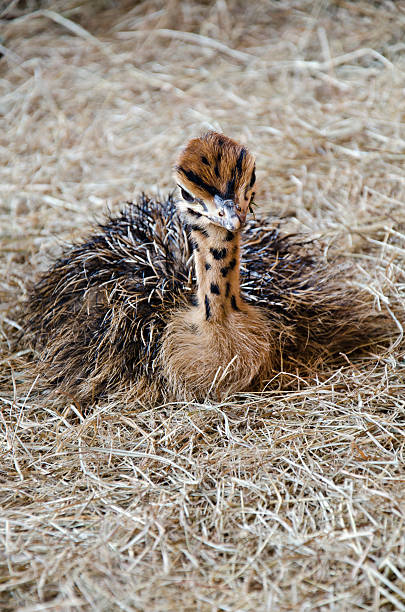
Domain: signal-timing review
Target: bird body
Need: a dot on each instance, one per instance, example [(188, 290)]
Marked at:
[(130, 309)]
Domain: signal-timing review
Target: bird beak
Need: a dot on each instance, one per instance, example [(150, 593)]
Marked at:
[(227, 215)]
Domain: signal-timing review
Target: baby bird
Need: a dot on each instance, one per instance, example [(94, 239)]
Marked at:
[(222, 340), (129, 309)]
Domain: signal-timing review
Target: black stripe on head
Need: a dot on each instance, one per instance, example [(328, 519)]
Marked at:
[(215, 289), (194, 213), (220, 140), (197, 180), (202, 203), (253, 177), (230, 189), (207, 308), (216, 169), (239, 163)]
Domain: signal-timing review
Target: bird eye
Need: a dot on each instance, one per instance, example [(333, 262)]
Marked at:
[(220, 213), (238, 207), (186, 196)]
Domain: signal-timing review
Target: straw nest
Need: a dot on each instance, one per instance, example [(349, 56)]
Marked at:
[(287, 499)]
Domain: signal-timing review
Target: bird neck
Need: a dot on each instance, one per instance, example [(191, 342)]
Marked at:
[(217, 263)]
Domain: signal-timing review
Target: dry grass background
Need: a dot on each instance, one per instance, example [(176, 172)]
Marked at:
[(277, 501)]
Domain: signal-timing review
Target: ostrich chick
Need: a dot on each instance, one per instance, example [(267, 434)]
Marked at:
[(221, 342), (128, 309)]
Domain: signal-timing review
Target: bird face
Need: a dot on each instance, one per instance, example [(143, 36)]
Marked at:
[(216, 177)]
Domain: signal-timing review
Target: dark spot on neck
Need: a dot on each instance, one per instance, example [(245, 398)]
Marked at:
[(227, 289), (194, 245), (208, 266), (229, 236), (230, 266), (207, 308), (201, 230), (233, 303), (219, 253), (215, 289)]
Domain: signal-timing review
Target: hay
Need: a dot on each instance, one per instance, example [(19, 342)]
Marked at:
[(275, 501)]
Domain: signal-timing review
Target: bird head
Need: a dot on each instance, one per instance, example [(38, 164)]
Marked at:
[(216, 178)]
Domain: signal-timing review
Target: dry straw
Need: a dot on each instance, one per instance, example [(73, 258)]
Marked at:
[(283, 500)]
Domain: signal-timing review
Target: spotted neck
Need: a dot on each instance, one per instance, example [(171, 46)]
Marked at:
[(217, 263)]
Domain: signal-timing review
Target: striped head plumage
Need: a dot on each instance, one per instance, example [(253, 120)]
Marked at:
[(216, 177)]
